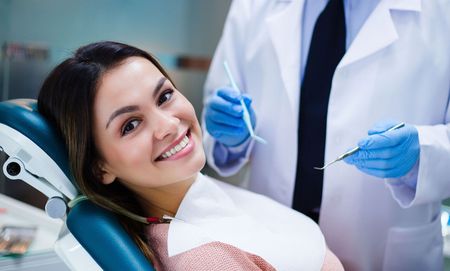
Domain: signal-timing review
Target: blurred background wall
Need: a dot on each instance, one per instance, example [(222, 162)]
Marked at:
[(37, 34)]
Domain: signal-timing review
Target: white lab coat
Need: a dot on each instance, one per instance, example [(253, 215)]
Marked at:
[(397, 67)]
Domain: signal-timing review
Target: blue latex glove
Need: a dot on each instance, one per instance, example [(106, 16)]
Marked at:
[(389, 154), (223, 117)]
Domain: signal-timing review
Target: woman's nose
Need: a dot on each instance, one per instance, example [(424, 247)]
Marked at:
[(166, 125)]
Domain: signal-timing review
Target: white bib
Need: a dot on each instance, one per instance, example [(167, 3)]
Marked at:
[(216, 211)]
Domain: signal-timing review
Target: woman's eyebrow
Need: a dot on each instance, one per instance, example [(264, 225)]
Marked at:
[(131, 108), (122, 110), (159, 85)]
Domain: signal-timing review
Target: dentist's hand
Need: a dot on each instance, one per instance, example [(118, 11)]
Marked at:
[(390, 154), (223, 117)]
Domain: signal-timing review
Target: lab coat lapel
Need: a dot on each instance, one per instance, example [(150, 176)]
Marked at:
[(284, 31), (379, 30)]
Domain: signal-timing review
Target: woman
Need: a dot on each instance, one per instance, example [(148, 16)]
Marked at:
[(135, 148)]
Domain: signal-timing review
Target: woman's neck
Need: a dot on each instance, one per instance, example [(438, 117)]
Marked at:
[(165, 200)]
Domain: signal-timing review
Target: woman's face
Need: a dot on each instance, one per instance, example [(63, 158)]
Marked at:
[(146, 131)]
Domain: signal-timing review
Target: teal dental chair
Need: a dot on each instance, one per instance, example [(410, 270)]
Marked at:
[(38, 157)]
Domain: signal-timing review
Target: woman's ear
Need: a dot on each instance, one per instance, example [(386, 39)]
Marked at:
[(107, 177)]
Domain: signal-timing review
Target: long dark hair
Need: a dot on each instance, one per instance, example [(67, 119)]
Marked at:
[(66, 99)]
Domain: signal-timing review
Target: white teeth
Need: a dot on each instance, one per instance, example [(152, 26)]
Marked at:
[(184, 142), (177, 148)]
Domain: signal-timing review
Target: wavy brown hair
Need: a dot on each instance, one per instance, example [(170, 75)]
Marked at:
[(66, 99)]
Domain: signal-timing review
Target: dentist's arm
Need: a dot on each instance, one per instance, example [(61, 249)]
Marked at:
[(413, 160), (227, 160)]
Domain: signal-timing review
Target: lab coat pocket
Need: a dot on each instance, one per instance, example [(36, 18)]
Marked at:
[(415, 248)]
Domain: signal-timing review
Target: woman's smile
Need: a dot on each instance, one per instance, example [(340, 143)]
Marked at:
[(178, 149)]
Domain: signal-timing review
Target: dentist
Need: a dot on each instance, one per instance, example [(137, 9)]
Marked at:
[(321, 77)]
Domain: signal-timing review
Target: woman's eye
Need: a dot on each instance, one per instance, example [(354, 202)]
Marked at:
[(165, 97), (130, 126)]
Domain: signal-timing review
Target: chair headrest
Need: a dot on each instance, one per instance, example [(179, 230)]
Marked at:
[(22, 115), (33, 144)]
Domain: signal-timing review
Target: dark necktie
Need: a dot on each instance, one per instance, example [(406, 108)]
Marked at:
[(326, 50)]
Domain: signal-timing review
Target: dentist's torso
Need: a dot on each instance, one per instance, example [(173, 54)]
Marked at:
[(397, 67)]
